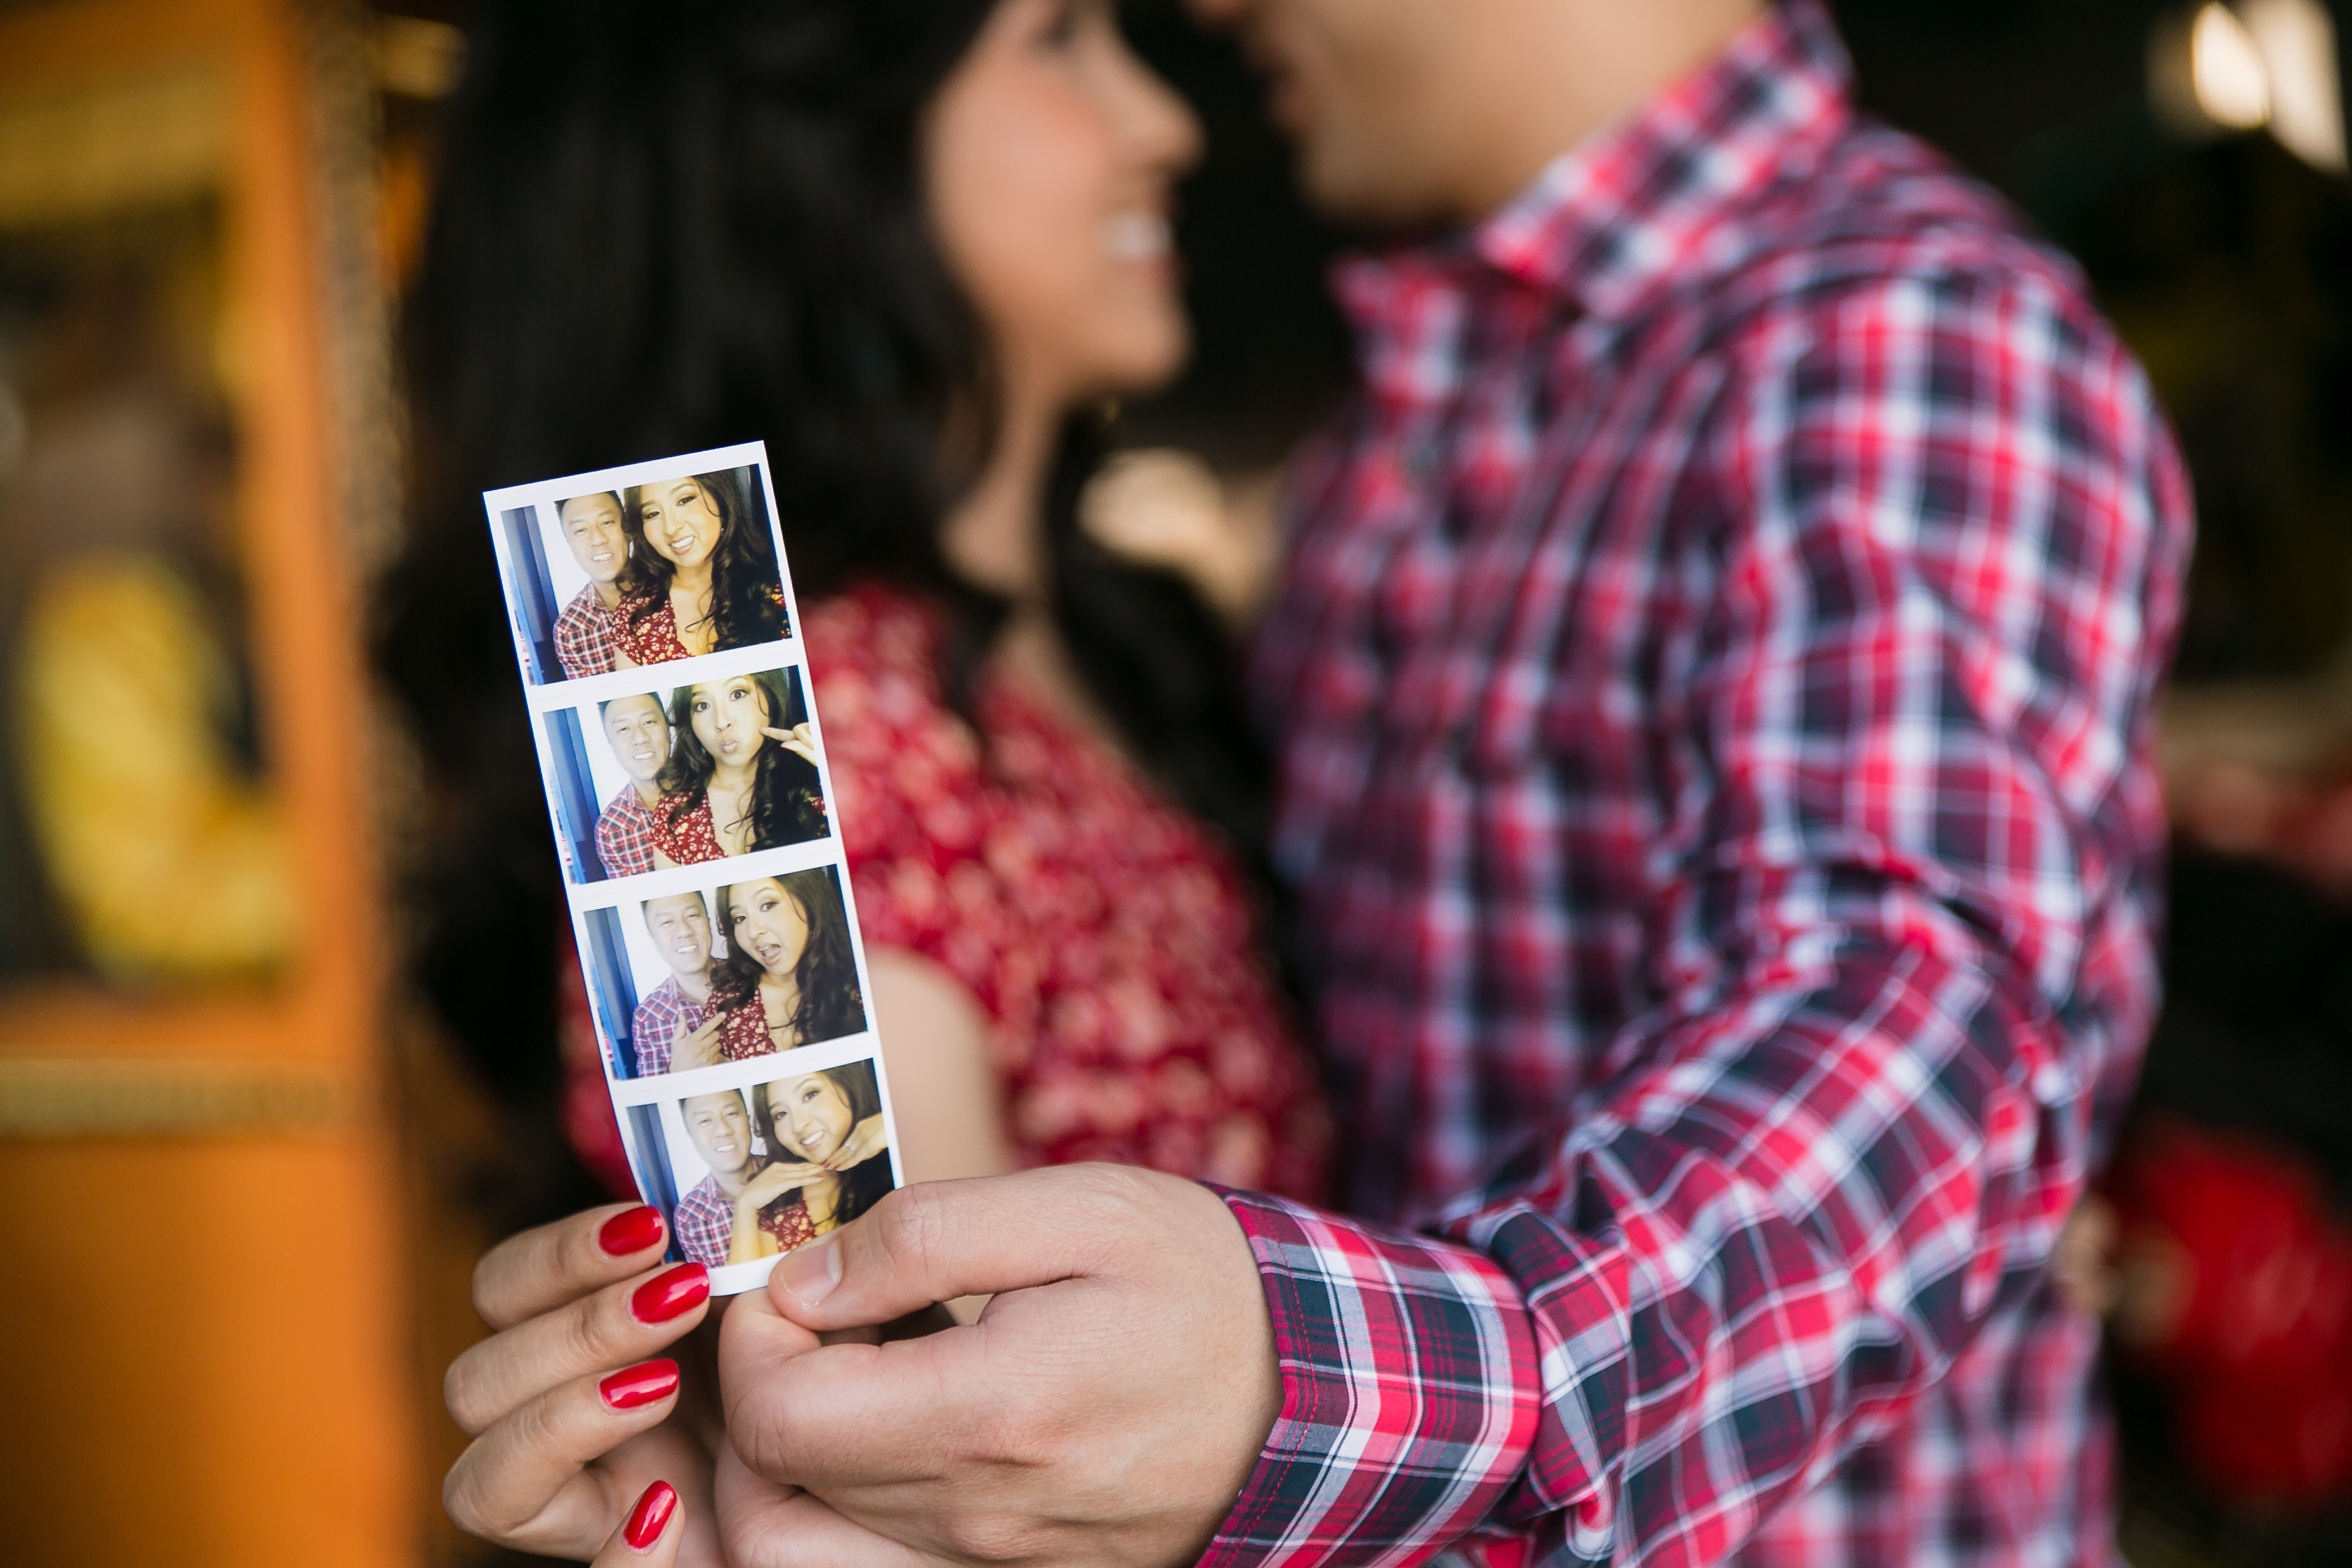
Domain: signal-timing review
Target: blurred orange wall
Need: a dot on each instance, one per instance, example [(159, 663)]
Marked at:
[(201, 1306)]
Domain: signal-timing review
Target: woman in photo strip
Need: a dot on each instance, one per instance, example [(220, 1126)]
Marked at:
[(740, 775), (703, 575), (826, 1161), (789, 978)]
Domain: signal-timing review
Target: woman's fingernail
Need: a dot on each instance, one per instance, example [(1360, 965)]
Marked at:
[(648, 1520), (670, 1293), (634, 1387), (811, 1273), (631, 1230)]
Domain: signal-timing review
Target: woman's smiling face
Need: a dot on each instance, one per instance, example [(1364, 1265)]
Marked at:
[(766, 923), (681, 521), (810, 1115), (730, 719)]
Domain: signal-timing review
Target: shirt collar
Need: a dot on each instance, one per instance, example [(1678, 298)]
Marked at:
[(1657, 195)]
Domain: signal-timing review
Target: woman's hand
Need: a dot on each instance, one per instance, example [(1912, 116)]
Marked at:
[(650, 1536), (800, 740), (697, 1048), (866, 1140), (573, 1413), (773, 1181)]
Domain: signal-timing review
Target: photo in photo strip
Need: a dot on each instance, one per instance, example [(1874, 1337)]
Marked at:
[(684, 766)]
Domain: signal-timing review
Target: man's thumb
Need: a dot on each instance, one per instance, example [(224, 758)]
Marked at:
[(927, 1244)]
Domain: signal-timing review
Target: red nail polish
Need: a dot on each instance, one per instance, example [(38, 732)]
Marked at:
[(652, 1513), (670, 1293), (631, 1230), (634, 1387)]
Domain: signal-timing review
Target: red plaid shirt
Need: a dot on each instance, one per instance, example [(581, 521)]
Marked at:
[(704, 1224), (1714, 672), (625, 834), (584, 645), (665, 1013)]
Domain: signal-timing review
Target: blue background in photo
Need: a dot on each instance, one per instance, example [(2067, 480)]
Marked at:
[(573, 788), (612, 989), (648, 1156), (534, 593)]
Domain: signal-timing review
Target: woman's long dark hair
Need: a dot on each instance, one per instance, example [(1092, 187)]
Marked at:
[(830, 1004), (862, 1184), (665, 228), (784, 785), (745, 609)]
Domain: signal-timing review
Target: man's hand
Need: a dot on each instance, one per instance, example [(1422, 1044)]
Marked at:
[(697, 1048), (1105, 1410)]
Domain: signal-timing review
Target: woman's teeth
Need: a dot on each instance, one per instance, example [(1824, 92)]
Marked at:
[(1137, 236)]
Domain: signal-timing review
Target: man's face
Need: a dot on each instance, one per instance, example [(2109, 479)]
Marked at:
[(680, 927), (720, 1128), (639, 733), (592, 526), (1361, 86)]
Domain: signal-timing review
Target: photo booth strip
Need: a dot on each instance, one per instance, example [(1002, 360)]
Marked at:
[(642, 983)]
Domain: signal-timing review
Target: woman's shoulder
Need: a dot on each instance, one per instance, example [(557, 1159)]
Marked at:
[(897, 750), (873, 631)]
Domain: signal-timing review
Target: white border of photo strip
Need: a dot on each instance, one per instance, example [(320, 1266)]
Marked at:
[(621, 894)]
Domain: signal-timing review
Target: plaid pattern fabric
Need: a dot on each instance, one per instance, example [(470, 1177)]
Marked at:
[(661, 1017), (625, 832), (704, 1224), (584, 645), (1714, 672)]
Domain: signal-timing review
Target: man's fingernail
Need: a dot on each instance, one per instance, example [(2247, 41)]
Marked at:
[(670, 1293), (811, 1273), (652, 1513), (631, 1230), (634, 1387)]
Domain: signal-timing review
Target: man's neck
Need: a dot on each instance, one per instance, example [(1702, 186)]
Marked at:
[(731, 1184), (1536, 78), (695, 986), (609, 593), (648, 790)]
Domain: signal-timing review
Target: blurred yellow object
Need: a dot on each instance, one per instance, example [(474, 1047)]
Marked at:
[(171, 863)]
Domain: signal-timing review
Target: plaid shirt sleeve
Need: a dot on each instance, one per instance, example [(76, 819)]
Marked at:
[(704, 1225), (625, 829), (584, 645), (1914, 709)]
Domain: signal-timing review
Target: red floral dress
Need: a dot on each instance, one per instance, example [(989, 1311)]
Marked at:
[(688, 839), (787, 1220), (1105, 932), (744, 1033), (654, 639)]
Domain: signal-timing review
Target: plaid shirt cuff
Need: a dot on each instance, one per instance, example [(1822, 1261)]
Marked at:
[(1409, 1394)]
